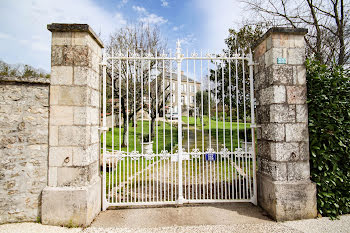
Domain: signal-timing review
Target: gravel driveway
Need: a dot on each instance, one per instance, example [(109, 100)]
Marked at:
[(313, 225)]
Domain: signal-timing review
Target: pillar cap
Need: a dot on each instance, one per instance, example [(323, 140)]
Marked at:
[(280, 30), (66, 27)]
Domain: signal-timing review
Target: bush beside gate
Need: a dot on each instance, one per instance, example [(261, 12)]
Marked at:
[(329, 129)]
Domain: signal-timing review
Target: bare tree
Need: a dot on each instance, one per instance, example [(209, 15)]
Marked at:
[(327, 20), (159, 97), (131, 77)]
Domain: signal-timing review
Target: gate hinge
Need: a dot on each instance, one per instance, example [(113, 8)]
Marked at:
[(255, 126), (103, 128)]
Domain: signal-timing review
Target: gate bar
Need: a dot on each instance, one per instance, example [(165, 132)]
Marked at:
[(179, 133), (104, 199)]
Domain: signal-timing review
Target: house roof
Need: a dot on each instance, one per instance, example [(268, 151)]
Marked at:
[(184, 78)]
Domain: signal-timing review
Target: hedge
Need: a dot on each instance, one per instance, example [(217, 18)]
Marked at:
[(329, 130)]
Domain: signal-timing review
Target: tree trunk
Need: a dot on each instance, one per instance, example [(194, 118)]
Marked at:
[(125, 132), (153, 120)]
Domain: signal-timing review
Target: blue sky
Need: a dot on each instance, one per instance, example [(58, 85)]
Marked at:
[(199, 24)]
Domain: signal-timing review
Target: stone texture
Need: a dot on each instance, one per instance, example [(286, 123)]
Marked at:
[(24, 142), (297, 132), (72, 95), (273, 132), (287, 200), (283, 151), (73, 135), (299, 75), (298, 170), (272, 95), (68, 55), (61, 75), (60, 156), (64, 28), (301, 113), (53, 135), (284, 187), (296, 94), (296, 56), (61, 115), (279, 75), (77, 176), (85, 156), (272, 55), (275, 170), (282, 113), (74, 192), (74, 206)]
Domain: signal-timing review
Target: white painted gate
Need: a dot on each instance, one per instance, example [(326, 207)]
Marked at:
[(203, 144)]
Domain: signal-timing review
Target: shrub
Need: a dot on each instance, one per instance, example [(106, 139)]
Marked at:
[(329, 129)]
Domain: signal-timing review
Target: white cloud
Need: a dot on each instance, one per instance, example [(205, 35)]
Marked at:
[(153, 19), (139, 9), (218, 17), (26, 22), (188, 40), (147, 17), (122, 3), (177, 28), (164, 3)]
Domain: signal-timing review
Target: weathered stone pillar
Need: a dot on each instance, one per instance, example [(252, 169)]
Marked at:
[(73, 194), (284, 187)]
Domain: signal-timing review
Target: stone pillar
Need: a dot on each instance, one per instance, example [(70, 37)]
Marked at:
[(285, 190), (73, 194)]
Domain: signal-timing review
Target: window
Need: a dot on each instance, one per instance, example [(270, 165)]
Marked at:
[(182, 99), (183, 87), (173, 86), (192, 88), (192, 99), (174, 98)]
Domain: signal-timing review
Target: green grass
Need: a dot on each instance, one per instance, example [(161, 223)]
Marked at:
[(218, 130), (138, 138)]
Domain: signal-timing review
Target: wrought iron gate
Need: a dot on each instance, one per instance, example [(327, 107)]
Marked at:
[(173, 139)]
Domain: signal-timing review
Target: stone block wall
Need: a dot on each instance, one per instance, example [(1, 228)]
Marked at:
[(73, 195), (284, 187), (24, 122)]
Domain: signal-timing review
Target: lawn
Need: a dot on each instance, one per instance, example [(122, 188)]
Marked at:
[(138, 139), (220, 134)]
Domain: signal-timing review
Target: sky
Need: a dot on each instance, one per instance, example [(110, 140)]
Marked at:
[(198, 24)]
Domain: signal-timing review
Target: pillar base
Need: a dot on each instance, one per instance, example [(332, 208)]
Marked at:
[(71, 206), (287, 200)]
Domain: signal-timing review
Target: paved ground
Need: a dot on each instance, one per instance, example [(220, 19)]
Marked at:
[(238, 217), (218, 214)]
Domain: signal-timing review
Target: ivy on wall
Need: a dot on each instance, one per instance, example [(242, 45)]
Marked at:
[(329, 129)]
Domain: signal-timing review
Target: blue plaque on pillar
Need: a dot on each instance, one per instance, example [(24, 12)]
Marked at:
[(210, 156), (281, 60)]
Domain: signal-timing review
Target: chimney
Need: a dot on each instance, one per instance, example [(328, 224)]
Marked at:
[(182, 72)]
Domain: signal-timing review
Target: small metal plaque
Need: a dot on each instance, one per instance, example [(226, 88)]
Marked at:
[(210, 157), (281, 60)]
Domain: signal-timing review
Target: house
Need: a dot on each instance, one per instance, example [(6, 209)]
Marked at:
[(189, 88)]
